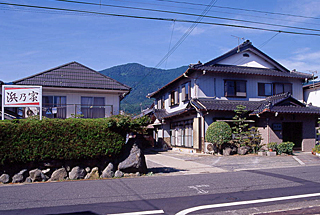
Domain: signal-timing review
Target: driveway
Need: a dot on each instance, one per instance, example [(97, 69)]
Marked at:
[(175, 162)]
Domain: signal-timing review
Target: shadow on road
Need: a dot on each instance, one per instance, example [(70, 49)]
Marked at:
[(77, 213), (164, 170)]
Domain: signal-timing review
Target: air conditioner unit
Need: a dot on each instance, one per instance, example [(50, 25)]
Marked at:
[(31, 111), (208, 148)]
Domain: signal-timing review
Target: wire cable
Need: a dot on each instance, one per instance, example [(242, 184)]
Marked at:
[(188, 14), (159, 19), (264, 43), (242, 9), (216, 11)]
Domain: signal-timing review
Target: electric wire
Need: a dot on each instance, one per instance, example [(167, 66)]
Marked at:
[(264, 43), (159, 19), (242, 9), (188, 14), (216, 11), (170, 41), (187, 33)]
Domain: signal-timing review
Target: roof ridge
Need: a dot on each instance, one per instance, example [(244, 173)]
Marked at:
[(46, 71)]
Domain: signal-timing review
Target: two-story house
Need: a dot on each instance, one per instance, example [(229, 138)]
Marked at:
[(207, 92), (73, 89)]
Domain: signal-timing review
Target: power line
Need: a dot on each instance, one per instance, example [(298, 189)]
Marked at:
[(264, 43), (186, 34), (224, 12), (159, 19), (234, 8), (188, 14)]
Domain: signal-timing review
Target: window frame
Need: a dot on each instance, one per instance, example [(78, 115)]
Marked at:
[(282, 85), (174, 97), (93, 110), (59, 102), (236, 93), (186, 91)]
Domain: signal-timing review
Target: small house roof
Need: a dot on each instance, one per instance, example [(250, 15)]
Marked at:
[(73, 75)]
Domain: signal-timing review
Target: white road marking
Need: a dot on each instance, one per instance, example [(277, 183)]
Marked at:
[(141, 213), (216, 161), (299, 161), (199, 188), (190, 210)]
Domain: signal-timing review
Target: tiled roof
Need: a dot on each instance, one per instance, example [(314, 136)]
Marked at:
[(214, 67), (281, 103), (223, 105), (245, 46), (73, 75), (230, 69), (163, 114)]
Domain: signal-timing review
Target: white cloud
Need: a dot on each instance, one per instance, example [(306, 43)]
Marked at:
[(303, 61), (308, 8), (183, 28)]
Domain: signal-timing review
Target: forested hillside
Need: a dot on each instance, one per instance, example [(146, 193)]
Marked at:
[(142, 80)]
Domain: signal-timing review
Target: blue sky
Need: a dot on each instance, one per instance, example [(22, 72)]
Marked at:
[(34, 40)]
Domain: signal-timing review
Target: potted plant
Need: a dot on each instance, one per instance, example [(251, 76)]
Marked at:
[(272, 146)]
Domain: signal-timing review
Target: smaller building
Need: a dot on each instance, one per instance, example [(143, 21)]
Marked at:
[(72, 90), (311, 93)]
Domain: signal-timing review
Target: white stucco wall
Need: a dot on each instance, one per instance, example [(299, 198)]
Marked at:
[(252, 61), (312, 96), (212, 85), (73, 97)]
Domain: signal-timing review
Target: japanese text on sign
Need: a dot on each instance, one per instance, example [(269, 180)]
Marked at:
[(22, 96)]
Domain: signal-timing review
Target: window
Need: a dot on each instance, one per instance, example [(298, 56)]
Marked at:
[(181, 134), (269, 89), (54, 106), (161, 104), (93, 107), (282, 88), (265, 89), (174, 97), (235, 88), (186, 92)]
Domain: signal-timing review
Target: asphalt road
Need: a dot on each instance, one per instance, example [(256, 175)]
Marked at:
[(168, 194)]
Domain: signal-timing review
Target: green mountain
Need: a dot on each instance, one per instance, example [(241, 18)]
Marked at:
[(142, 80)]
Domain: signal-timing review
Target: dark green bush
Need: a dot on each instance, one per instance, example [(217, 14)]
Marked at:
[(26, 140), (218, 133), (285, 147), (272, 146)]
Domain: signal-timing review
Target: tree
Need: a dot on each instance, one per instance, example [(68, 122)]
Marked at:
[(255, 139), (240, 130), (218, 133)]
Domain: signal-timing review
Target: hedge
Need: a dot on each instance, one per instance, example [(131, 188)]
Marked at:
[(26, 140)]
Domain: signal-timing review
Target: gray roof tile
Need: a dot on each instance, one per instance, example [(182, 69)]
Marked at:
[(73, 75), (281, 103), (229, 69)]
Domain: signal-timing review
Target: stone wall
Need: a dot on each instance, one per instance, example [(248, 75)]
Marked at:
[(130, 162)]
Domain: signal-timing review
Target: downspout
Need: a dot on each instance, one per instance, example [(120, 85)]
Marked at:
[(268, 131)]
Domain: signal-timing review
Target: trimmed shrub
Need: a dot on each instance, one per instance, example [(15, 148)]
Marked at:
[(26, 140), (219, 133), (285, 147)]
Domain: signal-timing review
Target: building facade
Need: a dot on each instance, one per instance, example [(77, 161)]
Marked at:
[(73, 90), (208, 92)]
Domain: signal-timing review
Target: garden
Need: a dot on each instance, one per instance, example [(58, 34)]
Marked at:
[(242, 139)]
